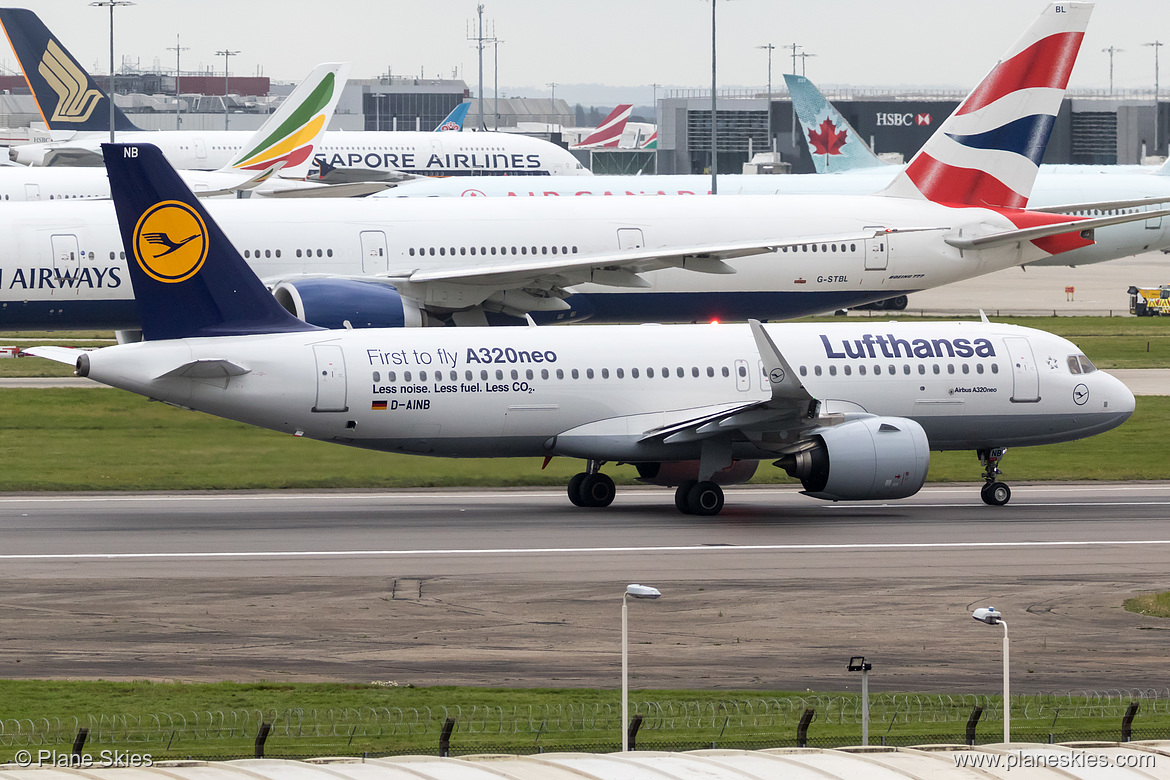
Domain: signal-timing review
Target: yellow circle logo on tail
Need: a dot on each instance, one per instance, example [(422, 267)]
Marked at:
[(170, 242)]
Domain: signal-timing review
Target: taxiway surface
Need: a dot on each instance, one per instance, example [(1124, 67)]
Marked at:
[(517, 588)]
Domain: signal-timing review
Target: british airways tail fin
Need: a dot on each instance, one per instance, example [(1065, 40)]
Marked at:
[(66, 95), (295, 130), (188, 278), (988, 152), (454, 121), (833, 143), (609, 132)]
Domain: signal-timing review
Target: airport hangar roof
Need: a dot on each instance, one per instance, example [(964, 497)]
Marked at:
[(1080, 760)]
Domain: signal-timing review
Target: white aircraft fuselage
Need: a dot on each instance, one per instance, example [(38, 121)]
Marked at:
[(407, 151), (1056, 185), (471, 392), (62, 265)]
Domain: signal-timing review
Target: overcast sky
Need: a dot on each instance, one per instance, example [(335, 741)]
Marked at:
[(632, 43)]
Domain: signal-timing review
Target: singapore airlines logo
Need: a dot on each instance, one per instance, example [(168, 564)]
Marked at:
[(74, 102), (170, 242)]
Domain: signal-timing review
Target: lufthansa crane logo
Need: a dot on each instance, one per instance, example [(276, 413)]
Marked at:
[(170, 242)]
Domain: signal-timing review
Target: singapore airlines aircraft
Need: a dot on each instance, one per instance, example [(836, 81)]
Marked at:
[(272, 163), (69, 100), (954, 213), (851, 410)]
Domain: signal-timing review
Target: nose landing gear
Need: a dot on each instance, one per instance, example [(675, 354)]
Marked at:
[(993, 492)]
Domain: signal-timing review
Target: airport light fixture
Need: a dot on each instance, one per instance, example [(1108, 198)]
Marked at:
[(225, 53), (1157, 45), (1111, 51), (991, 617), (858, 664), (177, 49), (111, 4), (636, 592)]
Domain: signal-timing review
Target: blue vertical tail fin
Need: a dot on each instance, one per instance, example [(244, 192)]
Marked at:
[(66, 95), (188, 278), (454, 121)]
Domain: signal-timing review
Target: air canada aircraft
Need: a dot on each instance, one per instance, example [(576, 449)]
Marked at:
[(851, 410), (954, 213), (273, 163), (71, 102)]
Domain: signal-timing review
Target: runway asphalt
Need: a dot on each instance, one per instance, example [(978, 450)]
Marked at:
[(517, 588)]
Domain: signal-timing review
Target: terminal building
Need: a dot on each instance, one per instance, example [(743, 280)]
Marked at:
[(1092, 128)]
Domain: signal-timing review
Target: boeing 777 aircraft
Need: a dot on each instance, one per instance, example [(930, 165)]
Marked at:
[(851, 410), (609, 132), (69, 100)]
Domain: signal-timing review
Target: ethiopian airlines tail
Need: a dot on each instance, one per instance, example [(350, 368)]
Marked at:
[(832, 141), (294, 132), (66, 95), (454, 121), (988, 152), (169, 239), (609, 132)]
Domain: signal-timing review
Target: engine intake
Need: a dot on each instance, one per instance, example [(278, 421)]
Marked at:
[(866, 459), (341, 303)]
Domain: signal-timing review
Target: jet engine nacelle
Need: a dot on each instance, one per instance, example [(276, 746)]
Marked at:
[(870, 458), (673, 474), (341, 303)]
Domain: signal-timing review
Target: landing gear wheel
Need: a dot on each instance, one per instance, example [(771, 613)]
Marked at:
[(597, 490), (575, 489), (897, 303), (995, 493), (705, 499), (680, 496)]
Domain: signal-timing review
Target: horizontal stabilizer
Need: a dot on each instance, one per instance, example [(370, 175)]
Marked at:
[(206, 369), (1058, 229), (1104, 205), (67, 355)]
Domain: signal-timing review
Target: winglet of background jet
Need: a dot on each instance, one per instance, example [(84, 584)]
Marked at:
[(832, 142), (609, 132), (454, 121), (67, 97)]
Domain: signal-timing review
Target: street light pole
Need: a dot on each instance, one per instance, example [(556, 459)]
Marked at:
[(1157, 45), (769, 47), (111, 4), (225, 54), (991, 617), (178, 105), (638, 592), (858, 664), (1111, 51)]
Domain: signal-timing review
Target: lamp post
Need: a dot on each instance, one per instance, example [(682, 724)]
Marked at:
[(991, 617), (637, 592), (111, 4), (1111, 51), (714, 131), (177, 49), (858, 664), (1157, 45), (225, 54), (769, 47)]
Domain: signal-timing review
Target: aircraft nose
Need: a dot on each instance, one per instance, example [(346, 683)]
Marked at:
[(1119, 397)]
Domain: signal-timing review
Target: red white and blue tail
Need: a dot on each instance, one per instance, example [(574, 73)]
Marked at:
[(609, 132), (988, 152)]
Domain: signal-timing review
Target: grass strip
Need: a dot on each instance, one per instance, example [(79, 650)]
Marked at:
[(99, 439)]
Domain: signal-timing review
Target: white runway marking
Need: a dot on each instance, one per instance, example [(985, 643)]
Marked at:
[(579, 550)]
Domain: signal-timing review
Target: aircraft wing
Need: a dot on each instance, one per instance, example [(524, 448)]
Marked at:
[(616, 269)]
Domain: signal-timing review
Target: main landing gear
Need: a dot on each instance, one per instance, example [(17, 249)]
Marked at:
[(993, 492), (592, 488), (698, 498)]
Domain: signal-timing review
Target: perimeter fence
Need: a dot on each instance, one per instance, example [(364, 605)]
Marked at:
[(814, 720)]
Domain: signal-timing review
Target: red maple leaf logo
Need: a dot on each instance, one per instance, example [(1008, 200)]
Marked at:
[(828, 140)]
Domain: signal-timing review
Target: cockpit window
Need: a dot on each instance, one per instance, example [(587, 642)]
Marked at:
[(1087, 366), (1074, 364), (1079, 364)]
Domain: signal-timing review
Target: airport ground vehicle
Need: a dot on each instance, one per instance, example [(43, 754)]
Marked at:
[(1149, 301)]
